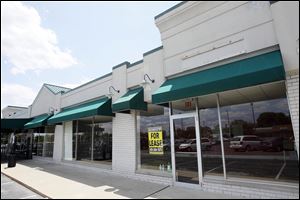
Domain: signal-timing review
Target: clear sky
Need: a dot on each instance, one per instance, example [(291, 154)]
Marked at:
[(70, 43)]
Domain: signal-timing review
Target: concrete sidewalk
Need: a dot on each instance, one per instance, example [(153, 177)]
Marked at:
[(13, 190), (61, 181)]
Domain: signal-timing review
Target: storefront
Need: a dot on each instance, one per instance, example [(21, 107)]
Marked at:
[(90, 133), (22, 138), (216, 107)]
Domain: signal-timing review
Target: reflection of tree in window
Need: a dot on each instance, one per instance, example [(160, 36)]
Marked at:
[(267, 119)]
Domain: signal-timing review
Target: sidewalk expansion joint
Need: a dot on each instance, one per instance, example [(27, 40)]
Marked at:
[(157, 191)]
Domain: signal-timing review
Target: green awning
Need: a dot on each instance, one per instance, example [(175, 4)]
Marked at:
[(99, 107), (14, 123), (133, 99), (256, 70), (37, 121)]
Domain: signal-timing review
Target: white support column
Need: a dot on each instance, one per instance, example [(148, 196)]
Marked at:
[(58, 143), (138, 142), (68, 140)]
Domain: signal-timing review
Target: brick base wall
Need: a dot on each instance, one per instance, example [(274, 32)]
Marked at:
[(123, 141), (292, 87)]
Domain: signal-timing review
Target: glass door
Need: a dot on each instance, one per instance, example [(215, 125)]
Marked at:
[(186, 149)]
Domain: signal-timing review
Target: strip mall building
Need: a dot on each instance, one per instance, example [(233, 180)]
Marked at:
[(216, 107)]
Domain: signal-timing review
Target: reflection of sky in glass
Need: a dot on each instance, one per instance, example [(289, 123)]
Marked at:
[(106, 126), (276, 105), (237, 112), (154, 121), (184, 123), (209, 117)]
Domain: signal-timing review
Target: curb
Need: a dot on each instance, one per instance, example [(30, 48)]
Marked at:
[(27, 186)]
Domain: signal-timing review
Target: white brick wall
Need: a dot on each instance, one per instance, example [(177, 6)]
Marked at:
[(252, 192), (124, 147), (292, 84)]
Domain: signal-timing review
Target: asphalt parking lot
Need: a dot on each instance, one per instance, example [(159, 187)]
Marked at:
[(13, 190)]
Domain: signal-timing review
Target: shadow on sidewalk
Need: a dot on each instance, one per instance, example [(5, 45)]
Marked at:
[(119, 185)]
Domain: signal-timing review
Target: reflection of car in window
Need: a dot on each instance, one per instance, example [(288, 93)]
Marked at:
[(272, 144), (191, 145), (245, 143), (205, 144)]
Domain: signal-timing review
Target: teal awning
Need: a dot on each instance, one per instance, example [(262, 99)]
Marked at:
[(37, 121), (99, 107), (133, 99), (256, 70), (14, 123)]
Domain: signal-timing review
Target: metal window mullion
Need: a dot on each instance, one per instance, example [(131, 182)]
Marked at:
[(198, 137), (92, 147), (76, 138), (221, 136), (172, 144)]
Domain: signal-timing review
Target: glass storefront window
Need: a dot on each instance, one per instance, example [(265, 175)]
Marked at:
[(43, 141), (103, 142), (186, 159), (210, 142), (155, 119), (23, 147), (74, 135), (259, 142), (84, 139), (92, 139)]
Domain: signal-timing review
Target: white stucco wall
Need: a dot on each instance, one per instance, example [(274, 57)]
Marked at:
[(206, 32), (154, 67), (42, 103), (15, 112), (135, 75), (286, 25), (119, 81), (91, 90)]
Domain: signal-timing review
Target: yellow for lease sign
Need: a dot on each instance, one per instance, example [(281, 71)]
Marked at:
[(155, 137)]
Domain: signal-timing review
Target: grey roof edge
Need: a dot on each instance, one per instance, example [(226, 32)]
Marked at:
[(152, 51), (47, 84), (170, 9), (121, 64), (135, 63), (272, 2), (99, 78), (16, 107)]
